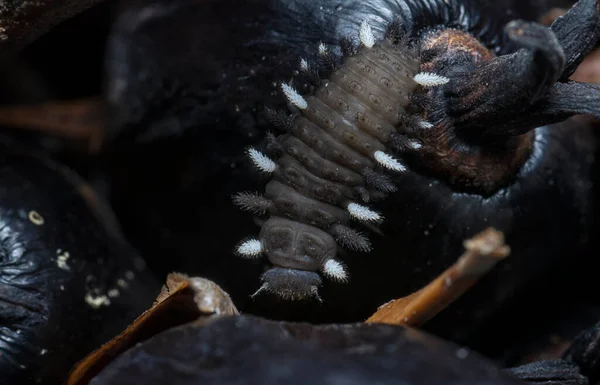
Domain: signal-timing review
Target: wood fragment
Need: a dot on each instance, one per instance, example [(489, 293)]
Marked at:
[(182, 300), (483, 252), (81, 121)]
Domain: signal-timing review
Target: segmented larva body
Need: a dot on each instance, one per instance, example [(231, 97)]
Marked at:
[(332, 160)]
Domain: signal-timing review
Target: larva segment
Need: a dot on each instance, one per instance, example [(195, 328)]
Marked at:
[(329, 148), (318, 165), (292, 173), (288, 203), (332, 150)]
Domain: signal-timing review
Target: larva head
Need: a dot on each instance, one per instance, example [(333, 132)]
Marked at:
[(294, 245)]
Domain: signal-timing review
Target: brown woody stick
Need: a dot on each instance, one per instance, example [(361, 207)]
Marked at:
[(482, 253), (79, 120)]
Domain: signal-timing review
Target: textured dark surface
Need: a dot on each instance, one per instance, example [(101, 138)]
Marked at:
[(249, 350), (52, 271), (585, 352), (550, 372), (211, 76), (23, 21)]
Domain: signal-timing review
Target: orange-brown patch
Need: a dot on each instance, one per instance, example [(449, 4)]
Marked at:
[(455, 40)]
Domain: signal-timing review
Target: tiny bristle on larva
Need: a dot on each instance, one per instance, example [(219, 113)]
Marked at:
[(388, 161), (261, 161), (380, 181), (366, 35), (428, 79), (335, 270), (303, 64), (347, 46), (252, 202), (279, 119), (425, 124), (363, 213), (293, 96), (273, 145), (251, 248), (322, 49), (351, 239)]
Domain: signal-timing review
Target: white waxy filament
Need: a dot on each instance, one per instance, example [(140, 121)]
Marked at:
[(261, 161)]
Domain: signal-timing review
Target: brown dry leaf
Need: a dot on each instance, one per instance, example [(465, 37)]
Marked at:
[(181, 300), (483, 252)]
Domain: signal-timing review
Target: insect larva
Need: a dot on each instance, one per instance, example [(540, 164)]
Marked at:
[(336, 152)]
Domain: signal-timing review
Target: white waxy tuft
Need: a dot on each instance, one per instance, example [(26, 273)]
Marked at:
[(414, 144), (388, 161), (250, 248), (366, 35), (428, 79), (303, 64), (294, 97), (425, 124), (335, 270), (261, 161), (322, 49), (363, 213)]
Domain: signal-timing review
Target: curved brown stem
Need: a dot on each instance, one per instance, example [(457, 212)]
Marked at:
[(483, 252)]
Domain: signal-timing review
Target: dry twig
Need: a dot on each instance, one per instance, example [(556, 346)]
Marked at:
[(482, 253)]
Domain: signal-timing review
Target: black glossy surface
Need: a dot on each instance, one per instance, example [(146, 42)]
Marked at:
[(251, 350), (53, 269)]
